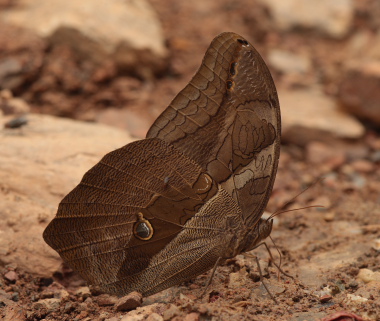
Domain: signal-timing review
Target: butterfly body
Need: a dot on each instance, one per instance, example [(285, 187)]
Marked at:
[(162, 210)]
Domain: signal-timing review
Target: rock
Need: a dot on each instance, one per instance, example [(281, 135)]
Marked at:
[(376, 244), (125, 119), (21, 56), (367, 275), (288, 62), (14, 313), (11, 105), (50, 305), (237, 279), (192, 317), (329, 157), (83, 292), (132, 318), (171, 311), (356, 298), (95, 31), (363, 166), (358, 91), (129, 302), (325, 298), (309, 115), (341, 316), (106, 300), (154, 317), (333, 18), (11, 276), (53, 154)]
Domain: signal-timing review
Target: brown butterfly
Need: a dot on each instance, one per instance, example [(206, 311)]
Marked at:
[(165, 209)]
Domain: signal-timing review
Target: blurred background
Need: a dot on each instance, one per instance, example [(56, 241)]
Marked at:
[(120, 62)]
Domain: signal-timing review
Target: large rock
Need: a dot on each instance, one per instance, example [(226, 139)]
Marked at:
[(39, 164), (359, 91), (105, 21), (310, 115), (333, 18)]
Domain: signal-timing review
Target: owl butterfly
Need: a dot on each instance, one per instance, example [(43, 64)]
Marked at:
[(164, 209)]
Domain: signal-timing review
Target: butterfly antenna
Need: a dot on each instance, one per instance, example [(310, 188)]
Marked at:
[(279, 211), (293, 210)]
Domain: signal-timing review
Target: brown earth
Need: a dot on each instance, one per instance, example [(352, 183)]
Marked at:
[(332, 252)]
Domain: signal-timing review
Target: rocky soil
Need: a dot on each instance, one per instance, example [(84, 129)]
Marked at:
[(110, 85)]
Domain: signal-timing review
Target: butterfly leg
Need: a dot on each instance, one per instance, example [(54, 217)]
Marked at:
[(278, 266), (212, 275)]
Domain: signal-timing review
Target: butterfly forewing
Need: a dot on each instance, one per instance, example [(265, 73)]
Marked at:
[(228, 120)]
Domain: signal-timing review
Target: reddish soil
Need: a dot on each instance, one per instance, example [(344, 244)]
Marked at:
[(324, 249)]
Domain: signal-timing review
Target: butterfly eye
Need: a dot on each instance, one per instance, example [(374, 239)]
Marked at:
[(143, 230)]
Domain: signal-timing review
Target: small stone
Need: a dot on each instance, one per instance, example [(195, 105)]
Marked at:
[(329, 217), (192, 317), (171, 312), (328, 123), (154, 317), (367, 275), (133, 317), (356, 298), (11, 276), (363, 166), (62, 294), (103, 316), (129, 302), (81, 315), (106, 300), (15, 296), (69, 306), (325, 298), (327, 156), (50, 305), (376, 244), (83, 292), (358, 91)]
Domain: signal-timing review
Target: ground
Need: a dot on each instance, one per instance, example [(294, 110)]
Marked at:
[(332, 251)]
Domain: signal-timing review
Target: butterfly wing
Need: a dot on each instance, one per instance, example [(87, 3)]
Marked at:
[(126, 209), (228, 120)]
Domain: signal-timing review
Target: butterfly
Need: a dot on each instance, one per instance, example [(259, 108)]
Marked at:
[(167, 208)]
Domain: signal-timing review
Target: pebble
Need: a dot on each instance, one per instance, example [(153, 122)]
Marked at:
[(171, 312), (329, 157), (367, 275), (192, 317), (154, 317), (50, 305), (106, 300), (11, 276), (84, 292), (376, 245), (356, 298), (129, 302), (363, 166), (133, 318), (325, 298), (329, 217)]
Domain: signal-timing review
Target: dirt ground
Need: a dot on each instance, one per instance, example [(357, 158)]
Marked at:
[(330, 251)]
